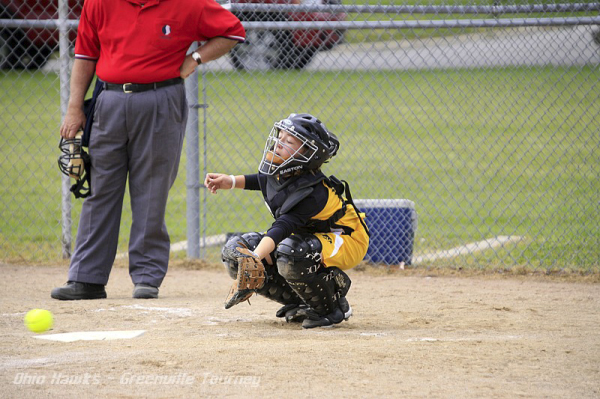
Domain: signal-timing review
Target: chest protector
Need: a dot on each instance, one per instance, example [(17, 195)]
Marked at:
[(280, 197)]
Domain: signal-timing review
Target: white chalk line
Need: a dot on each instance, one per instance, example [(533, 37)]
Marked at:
[(478, 246), (180, 312), (489, 243), (467, 339)]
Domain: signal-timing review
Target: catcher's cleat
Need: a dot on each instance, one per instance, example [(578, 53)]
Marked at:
[(313, 319), (291, 313)]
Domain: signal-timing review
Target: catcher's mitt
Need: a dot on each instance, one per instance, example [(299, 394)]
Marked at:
[(251, 276)]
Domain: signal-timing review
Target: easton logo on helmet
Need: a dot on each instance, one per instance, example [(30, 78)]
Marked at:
[(288, 170)]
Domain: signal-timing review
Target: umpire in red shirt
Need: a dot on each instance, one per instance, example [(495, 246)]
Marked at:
[(137, 48)]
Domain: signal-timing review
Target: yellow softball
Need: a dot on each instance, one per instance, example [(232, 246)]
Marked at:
[(39, 320)]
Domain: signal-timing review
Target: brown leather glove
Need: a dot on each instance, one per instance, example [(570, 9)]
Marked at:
[(251, 277)]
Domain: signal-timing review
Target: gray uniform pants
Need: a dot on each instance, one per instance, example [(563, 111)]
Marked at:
[(140, 135)]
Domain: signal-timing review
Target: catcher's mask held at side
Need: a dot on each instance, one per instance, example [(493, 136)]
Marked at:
[(75, 162)]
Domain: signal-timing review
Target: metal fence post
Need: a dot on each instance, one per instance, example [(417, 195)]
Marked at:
[(63, 14), (204, 159), (192, 166)]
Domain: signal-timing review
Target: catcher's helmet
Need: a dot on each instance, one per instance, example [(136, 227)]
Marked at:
[(318, 145)]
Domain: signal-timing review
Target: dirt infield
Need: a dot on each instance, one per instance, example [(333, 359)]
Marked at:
[(410, 337)]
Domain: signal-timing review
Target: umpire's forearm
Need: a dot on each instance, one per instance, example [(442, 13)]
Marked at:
[(215, 48), (81, 77), (211, 50)]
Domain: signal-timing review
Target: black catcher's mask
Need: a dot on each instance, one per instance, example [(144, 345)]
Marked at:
[(75, 162), (318, 145)]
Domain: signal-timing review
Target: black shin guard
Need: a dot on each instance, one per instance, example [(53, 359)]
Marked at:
[(299, 262), (278, 290), (323, 290)]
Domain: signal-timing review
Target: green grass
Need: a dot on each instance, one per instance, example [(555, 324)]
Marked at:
[(482, 152)]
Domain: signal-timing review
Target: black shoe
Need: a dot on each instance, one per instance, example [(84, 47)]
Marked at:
[(73, 290), (313, 319), (290, 312), (145, 291)]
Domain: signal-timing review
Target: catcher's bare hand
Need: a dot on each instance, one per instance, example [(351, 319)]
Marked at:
[(217, 181), (251, 277)]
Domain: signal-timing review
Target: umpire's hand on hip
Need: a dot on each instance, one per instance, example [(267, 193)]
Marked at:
[(211, 50), (188, 67)]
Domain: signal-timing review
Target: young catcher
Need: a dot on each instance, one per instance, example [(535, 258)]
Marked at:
[(317, 233)]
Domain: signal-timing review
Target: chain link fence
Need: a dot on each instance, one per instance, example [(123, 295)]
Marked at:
[(480, 118)]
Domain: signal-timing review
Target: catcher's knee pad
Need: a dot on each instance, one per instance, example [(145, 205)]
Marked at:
[(229, 254), (299, 257), (299, 262)]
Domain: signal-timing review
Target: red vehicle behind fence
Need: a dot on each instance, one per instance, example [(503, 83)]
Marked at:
[(31, 47), (283, 49)]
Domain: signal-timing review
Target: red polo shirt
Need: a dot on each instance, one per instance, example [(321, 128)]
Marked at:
[(145, 41)]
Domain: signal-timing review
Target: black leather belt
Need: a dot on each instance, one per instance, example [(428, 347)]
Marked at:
[(140, 87)]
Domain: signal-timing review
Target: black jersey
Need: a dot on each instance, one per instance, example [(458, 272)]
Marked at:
[(303, 203)]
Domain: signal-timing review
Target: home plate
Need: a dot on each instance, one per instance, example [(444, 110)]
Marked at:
[(91, 336)]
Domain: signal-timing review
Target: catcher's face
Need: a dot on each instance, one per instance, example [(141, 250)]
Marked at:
[(285, 150), (286, 146)]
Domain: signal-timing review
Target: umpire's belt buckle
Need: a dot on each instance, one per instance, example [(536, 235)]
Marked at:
[(125, 89)]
